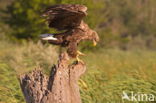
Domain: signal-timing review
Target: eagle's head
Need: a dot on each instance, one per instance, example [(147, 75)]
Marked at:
[(83, 9), (95, 38)]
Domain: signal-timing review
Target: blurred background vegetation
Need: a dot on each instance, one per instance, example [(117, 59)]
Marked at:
[(125, 58), (125, 24)]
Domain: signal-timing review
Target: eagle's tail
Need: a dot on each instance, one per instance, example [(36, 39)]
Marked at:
[(47, 37)]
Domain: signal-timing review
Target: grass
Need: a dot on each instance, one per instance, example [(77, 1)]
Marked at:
[(16, 59), (112, 71), (109, 71)]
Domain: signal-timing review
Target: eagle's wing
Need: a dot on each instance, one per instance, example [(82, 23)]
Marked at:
[(65, 16)]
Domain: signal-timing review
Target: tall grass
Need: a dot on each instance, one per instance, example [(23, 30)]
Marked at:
[(112, 71), (16, 59), (28, 56), (109, 72)]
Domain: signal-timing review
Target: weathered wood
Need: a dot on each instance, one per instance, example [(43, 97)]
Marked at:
[(60, 87)]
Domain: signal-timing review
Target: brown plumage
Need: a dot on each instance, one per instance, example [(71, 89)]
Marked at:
[(68, 17), (65, 16), (80, 34)]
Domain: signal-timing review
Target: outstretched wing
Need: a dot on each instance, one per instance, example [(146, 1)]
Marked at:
[(65, 16)]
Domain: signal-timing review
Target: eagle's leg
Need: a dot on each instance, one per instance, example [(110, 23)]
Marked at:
[(78, 59), (77, 56), (80, 53)]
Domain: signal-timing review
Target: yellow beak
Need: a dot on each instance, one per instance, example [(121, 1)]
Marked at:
[(94, 43)]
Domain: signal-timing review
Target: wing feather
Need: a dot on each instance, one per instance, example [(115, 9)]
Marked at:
[(65, 16)]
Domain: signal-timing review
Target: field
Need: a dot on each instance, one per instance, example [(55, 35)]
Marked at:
[(109, 71)]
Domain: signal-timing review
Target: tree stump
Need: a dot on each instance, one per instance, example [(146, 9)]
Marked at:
[(60, 87)]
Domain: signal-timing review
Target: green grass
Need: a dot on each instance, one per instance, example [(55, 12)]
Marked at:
[(109, 71), (112, 71)]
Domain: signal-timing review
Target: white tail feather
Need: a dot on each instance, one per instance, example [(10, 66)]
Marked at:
[(48, 37)]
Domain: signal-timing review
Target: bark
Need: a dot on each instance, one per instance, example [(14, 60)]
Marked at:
[(60, 87)]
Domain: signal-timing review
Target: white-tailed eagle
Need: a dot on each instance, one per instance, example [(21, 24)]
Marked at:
[(68, 18)]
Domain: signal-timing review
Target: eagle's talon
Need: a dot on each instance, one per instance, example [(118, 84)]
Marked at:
[(79, 60), (80, 53)]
